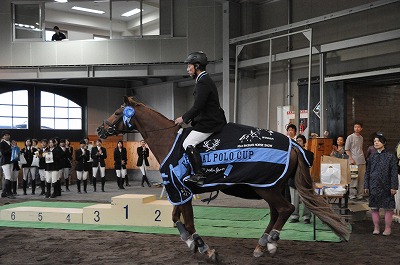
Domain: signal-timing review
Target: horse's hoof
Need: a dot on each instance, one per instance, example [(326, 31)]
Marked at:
[(272, 247), (212, 255), (258, 251)]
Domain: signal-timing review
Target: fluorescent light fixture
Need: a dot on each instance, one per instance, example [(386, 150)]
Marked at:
[(131, 13), (61, 1), (88, 10)]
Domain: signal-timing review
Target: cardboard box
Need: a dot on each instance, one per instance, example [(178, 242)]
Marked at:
[(358, 211), (344, 167)]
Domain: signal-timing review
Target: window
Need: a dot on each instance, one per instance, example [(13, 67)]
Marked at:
[(28, 21), (60, 113), (14, 110)]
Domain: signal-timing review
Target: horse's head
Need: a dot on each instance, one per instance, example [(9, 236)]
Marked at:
[(120, 121)]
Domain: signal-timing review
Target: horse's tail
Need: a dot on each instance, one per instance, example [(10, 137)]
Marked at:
[(317, 204)]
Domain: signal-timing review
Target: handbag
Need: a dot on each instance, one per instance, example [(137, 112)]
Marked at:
[(22, 160), (35, 161)]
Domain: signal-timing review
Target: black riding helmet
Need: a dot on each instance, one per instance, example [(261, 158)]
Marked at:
[(197, 57)]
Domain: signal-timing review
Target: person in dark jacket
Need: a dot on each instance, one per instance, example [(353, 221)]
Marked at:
[(120, 159), (142, 162), (6, 163), (206, 115), (82, 166), (28, 171), (52, 156), (99, 154), (381, 184), (42, 166)]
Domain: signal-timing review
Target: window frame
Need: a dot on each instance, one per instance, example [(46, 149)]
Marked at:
[(77, 94)]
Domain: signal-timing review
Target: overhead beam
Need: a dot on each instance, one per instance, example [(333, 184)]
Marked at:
[(324, 48), (307, 22)]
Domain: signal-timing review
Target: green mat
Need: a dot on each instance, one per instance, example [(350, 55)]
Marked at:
[(210, 221)]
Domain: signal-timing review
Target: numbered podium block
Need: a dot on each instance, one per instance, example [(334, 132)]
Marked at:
[(156, 213), (43, 214), (142, 210), (101, 214)]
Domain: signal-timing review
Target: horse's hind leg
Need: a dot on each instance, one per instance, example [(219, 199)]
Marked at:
[(281, 210)]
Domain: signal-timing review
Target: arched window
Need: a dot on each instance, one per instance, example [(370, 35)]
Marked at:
[(14, 110), (59, 113)]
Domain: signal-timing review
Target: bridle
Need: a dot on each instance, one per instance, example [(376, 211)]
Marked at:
[(112, 127)]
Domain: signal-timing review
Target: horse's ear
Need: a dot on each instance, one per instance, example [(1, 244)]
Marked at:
[(126, 100)]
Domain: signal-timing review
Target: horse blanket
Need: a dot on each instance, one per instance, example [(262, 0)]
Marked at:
[(238, 154)]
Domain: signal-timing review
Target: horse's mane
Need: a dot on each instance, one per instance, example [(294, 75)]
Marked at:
[(135, 102)]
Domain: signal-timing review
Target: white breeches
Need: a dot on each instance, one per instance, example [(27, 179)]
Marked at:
[(121, 173), (29, 172), (82, 175), (143, 168), (52, 176), (102, 171), (64, 172), (14, 175), (7, 171), (42, 174), (194, 138)]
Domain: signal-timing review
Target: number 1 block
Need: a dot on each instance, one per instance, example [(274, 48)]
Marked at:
[(43, 214)]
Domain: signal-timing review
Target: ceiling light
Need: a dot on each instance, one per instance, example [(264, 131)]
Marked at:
[(88, 10), (61, 1), (131, 13)]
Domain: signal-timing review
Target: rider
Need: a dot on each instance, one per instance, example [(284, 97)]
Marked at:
[(206, 115)]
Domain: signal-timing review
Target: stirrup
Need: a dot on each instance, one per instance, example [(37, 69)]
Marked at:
[(197, 178)]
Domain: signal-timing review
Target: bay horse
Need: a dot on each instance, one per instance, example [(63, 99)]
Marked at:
[(160, 133)]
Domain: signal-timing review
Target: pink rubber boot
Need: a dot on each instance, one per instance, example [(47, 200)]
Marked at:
[(388, 223), (375, 220)]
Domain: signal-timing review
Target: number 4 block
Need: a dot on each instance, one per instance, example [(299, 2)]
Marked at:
[(43, 214)]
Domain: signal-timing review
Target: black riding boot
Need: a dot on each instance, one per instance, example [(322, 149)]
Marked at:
[(94, 181), (8, 190), (14, 187), (78, 185), (195, 160), (121, 184), (103, 181), (67, 184), (127, 181), (144, 178), (48, 187), (42, 186), (58, 188), (85, 185), (54, 194), (33, 186), (24, 184)]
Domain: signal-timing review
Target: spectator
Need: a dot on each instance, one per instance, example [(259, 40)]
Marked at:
[(301, 140), (381, 183), (338, 151), (58, 35), (353, 148)]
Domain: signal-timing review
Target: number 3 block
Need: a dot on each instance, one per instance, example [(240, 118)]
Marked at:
[(43, 214), (101, 214)]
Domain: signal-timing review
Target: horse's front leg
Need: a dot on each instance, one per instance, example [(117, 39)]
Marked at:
[(185, 236), (188, 231)]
